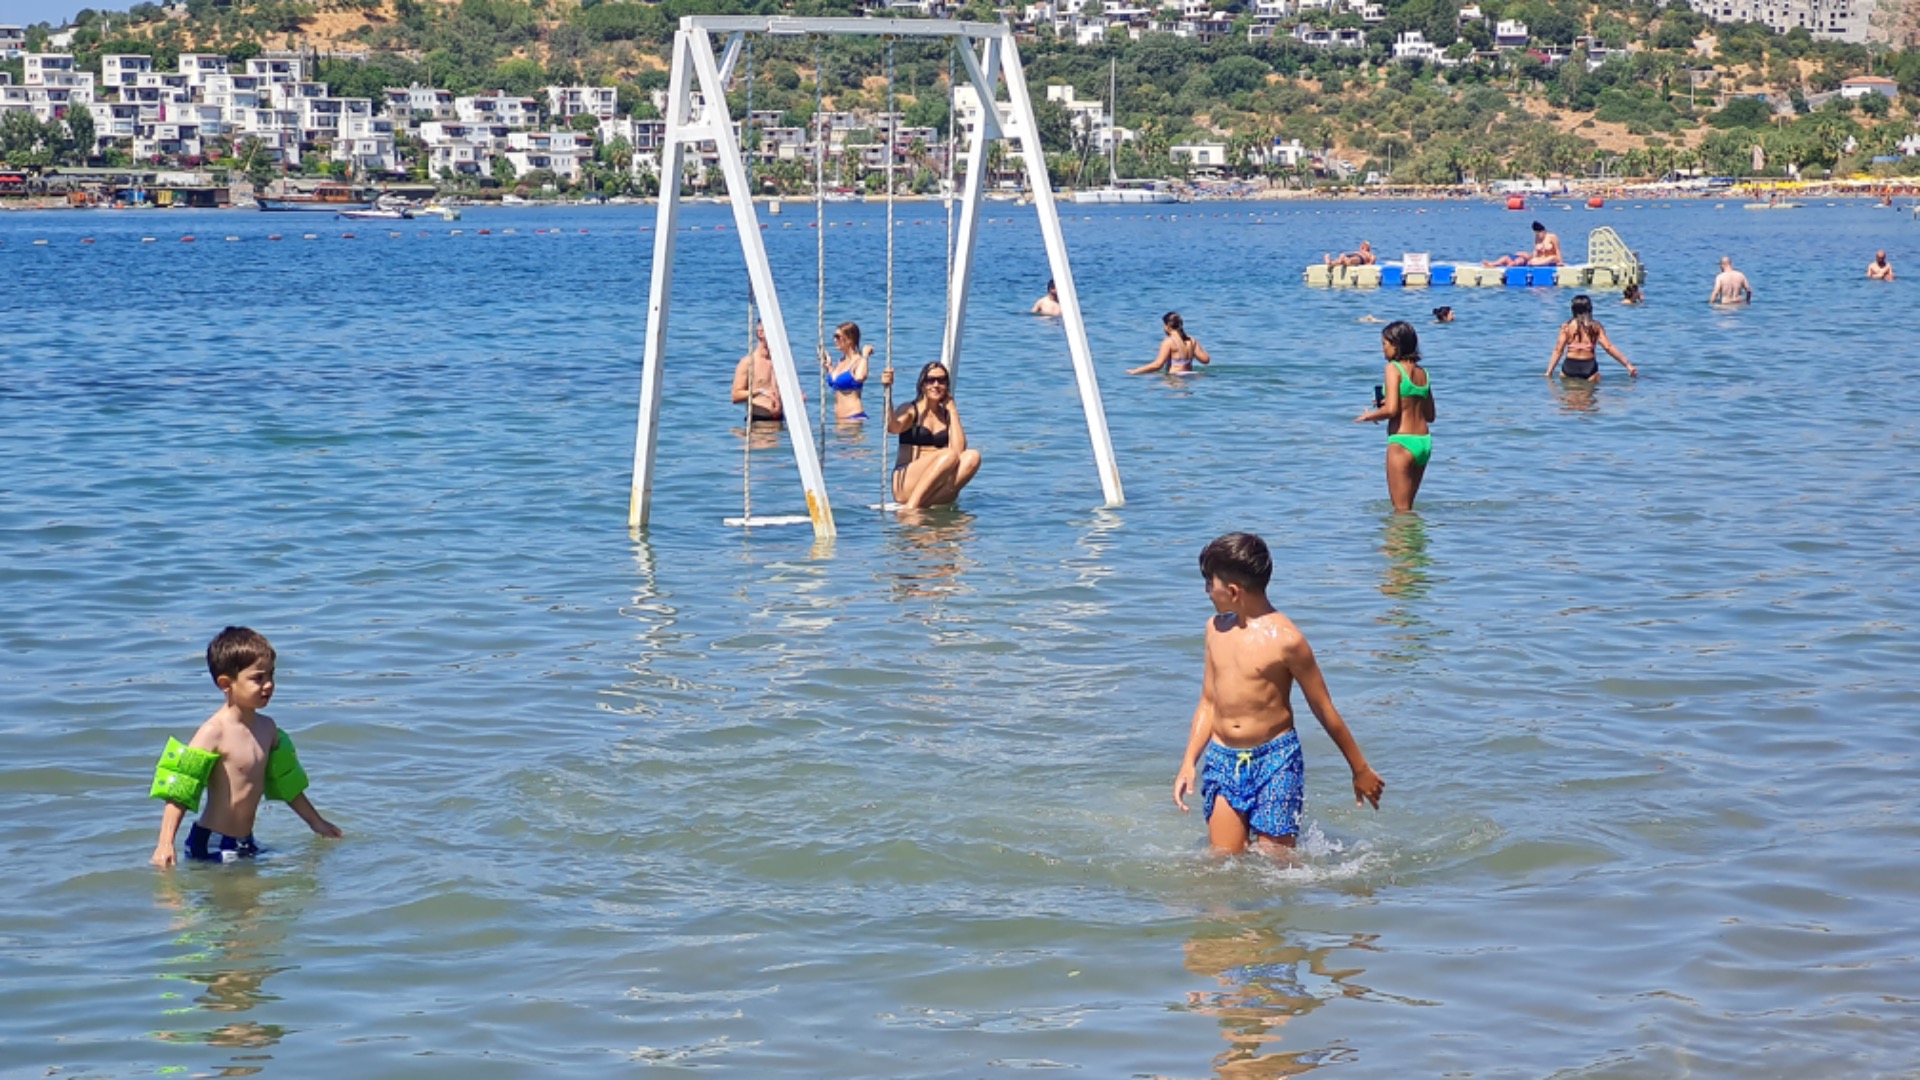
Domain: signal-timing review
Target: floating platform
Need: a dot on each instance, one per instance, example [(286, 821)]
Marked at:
[(1609, 265)]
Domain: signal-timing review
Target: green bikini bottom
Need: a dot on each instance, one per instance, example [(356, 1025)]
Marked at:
[(1420, 446)]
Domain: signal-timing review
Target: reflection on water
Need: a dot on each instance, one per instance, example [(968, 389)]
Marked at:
[(230, 921), (1407, 579), (1576, 395), (1265, 980), (928, 553)]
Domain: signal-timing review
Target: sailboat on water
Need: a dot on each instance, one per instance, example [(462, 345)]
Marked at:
[(1118, 191)]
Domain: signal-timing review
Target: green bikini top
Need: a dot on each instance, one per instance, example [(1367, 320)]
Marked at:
[(1409, 388)]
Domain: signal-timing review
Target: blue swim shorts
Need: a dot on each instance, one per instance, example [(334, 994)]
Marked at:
[(1265, 785), (205, 845)]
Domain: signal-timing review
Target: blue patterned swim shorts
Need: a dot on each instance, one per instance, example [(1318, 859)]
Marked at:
[(1266, 785)]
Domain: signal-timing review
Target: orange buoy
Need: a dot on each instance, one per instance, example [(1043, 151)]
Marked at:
[(1516, 202), (1596, 203)]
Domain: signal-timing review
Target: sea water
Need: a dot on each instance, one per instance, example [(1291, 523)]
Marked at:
[(1638, 673)]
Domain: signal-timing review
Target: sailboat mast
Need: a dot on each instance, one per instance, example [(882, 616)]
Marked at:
[(1113, 114)]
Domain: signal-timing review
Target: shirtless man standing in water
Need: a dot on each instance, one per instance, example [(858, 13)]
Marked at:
[(1731, 287), (1048, 304), (1880, 269), (1242, 742)]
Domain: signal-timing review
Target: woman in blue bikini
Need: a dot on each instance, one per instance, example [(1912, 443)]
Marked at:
[(848, 374), (1407, 406)]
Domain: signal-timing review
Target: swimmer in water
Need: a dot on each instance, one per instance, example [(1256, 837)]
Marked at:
[(1633, 295), (1546, 251), (1048, 304), (848, 374), (1363, 257), (1370, 319), (753, 379), (1579, 339), (1442, 314), (1731, 286), (1242, 750), (1880, 269), (1177, 350), (1407, 406)]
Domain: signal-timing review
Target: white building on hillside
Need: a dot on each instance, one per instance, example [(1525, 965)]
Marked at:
[(197, 66), (1838, 20), (497, 107), (559, 152), (13, 41), (123, 69), (1511, 34), (1412, 45), (1862, 85), (566, 102)]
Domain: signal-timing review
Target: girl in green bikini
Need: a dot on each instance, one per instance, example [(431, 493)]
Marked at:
[(1408, 409)]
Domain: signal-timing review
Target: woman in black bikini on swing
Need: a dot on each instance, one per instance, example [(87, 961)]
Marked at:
[(934, 462), (1580, 340)]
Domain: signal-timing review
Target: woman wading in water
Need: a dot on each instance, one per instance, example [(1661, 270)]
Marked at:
[(1177, 350), (934, 462), (1406, 404), (1581, 335)]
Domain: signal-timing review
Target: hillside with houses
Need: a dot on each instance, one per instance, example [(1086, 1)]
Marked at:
[(510, 95)]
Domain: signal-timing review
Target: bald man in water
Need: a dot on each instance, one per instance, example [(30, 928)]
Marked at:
[(1880, 269), (1731, 287)]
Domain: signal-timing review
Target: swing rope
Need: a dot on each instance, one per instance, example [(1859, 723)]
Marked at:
[(820, 229), (746, 442), (893, 133)]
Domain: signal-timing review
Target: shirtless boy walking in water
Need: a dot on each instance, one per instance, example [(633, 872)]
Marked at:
[(1252, 778)]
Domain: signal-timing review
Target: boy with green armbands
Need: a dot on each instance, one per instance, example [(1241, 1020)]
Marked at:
[(237, 756)]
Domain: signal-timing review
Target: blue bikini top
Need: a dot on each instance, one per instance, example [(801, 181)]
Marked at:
[(845, 381)]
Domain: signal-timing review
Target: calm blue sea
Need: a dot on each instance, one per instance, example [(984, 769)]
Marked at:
[(1638, 673)]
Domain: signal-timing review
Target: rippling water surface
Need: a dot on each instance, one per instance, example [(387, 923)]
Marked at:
[(898, 805)]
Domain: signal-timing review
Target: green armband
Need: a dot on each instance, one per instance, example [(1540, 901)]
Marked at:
[(182, 774), (285, 778)]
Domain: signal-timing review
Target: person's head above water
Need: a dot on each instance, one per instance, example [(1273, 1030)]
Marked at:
[(1174, 324), (1399, 341), (1583, 307), (1443, 314), (1051, 289), (1880, 257), (1539, 228), (933, 377), (1632, 294), (1237, 559)]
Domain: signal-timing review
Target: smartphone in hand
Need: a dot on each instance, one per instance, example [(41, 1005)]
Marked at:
[(1379, 395)]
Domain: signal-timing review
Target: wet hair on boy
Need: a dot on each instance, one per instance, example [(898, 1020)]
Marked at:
[(1237, 559), (236, 649)]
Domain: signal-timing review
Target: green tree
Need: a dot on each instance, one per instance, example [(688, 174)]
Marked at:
[(80, 134), (254, 160), (503, 172)]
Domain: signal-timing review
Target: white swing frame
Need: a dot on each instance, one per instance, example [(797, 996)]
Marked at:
[(694, 62)]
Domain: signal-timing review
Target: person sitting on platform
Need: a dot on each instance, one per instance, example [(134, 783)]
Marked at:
[(1546, 251), (1363, 257), (753, 378), (934, 462), (1048, 304)]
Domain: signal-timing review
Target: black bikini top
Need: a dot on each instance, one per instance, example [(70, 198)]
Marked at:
[(918, 435)]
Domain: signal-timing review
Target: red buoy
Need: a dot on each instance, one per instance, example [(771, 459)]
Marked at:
[(1516, 202), (1596, 203)]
